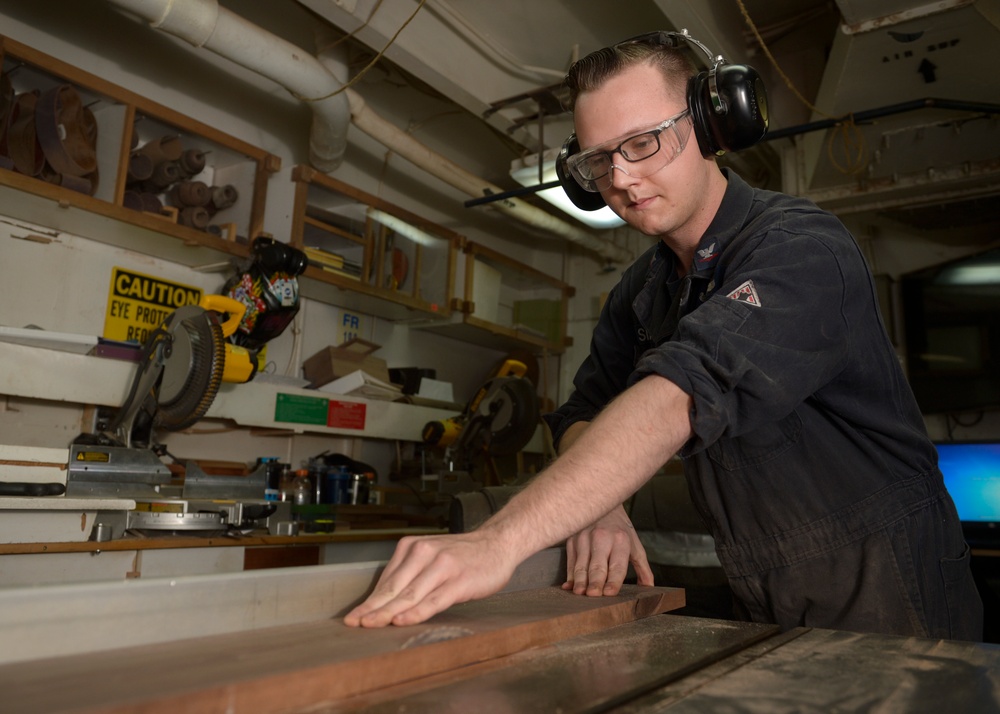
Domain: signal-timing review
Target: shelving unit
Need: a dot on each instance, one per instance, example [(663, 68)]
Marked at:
[(508, 305), (119, 124), (54, 375), (369, 255)]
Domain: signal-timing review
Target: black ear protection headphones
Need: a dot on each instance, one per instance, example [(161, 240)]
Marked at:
[(728, 109)]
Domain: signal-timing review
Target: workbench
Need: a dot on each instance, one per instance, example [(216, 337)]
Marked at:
[(273, 641), (131, 557)]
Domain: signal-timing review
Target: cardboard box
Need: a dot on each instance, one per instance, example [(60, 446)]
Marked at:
[(333, 362), (362, 384)]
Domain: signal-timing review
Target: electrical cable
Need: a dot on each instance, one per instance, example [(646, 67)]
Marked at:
[(357, 29), (371, 64), (845, 129)]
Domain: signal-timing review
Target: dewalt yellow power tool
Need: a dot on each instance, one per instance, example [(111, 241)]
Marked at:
[(182, 366), (500, 418)]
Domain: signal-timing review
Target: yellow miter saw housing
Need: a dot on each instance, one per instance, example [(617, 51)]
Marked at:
[(499, 419), (182, 366)]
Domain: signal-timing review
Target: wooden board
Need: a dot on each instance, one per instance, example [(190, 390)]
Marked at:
[(298, 666)]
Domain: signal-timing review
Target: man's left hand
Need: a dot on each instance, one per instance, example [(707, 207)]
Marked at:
[(597, 558)]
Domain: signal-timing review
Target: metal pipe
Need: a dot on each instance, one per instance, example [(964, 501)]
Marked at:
[(203, 23), (878, 113), (409, 148)]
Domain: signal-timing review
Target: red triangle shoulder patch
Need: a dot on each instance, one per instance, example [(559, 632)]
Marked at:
[(746, 293)]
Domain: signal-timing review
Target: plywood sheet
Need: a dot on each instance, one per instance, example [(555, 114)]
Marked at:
[(298, 666)]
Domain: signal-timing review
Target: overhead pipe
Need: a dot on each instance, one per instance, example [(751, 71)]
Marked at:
[(451, 173), (204, 24)]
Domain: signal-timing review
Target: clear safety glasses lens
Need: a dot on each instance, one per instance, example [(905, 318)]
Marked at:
[(592, 168)]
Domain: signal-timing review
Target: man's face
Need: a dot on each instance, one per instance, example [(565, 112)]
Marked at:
[(666, 201)]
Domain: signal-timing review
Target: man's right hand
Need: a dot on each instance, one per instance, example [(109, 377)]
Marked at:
[(597, 558)]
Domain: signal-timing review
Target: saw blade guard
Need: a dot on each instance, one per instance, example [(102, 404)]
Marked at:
[(184, 363)]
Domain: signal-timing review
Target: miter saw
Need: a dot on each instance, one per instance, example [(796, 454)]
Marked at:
[(182, 366), (499, 420)]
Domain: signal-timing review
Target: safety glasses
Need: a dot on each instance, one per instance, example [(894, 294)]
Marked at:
[(645, 153)]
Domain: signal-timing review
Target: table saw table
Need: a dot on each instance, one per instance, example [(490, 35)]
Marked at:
[(273, 641)]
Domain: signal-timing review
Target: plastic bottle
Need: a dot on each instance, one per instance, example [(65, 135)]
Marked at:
[(302, 489), (272, 489), (286, 485)]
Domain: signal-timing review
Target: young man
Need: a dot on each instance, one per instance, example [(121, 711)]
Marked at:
[(748, 341)]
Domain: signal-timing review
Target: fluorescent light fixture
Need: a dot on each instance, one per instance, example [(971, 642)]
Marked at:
[(526, 174), (403, 228), (976, 271)]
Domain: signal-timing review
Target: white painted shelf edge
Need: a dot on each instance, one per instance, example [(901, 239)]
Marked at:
[(55, 375)]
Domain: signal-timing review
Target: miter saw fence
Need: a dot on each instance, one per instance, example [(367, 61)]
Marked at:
[(499, 420), (269, 290)]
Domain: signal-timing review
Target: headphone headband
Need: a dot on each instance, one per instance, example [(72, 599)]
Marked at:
[(667, 38)]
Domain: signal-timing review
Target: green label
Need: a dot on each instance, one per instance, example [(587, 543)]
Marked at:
[(300, 410)]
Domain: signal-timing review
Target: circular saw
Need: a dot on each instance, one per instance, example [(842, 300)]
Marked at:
[(183, 364), (500, 419)]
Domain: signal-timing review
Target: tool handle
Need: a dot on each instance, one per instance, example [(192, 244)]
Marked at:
[(512, 367), (225, 304), (9, 488)]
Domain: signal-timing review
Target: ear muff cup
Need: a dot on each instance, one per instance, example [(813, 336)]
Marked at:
[(743, 122), (584, 200)]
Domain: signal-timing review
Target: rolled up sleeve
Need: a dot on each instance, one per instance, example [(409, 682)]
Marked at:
[(745, 363)]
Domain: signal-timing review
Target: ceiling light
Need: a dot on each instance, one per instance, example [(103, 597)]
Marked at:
[(403, 228), (525, 172), (986, 274)]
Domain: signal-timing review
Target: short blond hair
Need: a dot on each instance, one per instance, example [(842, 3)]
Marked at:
[(592, 71)]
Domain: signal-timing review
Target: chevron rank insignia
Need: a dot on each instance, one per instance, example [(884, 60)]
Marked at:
[(747, 293)]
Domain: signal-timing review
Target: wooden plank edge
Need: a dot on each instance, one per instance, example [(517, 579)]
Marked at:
[(284, 691)]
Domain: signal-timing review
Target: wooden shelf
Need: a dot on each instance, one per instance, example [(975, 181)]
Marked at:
[(380, 259), (54, 375), (27, 199), (508, 305), (122, 124)]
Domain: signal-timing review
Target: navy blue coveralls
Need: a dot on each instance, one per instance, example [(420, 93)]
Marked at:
[(810, 463)]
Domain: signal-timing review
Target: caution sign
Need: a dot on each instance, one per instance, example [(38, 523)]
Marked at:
[(138, 304)]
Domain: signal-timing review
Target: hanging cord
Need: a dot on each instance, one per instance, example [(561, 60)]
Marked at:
[(850, 136), (371, 64), (357, 29)]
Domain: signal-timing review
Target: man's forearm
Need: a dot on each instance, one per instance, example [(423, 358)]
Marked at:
[(604, 464)]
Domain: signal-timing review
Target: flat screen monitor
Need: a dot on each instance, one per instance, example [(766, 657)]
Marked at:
[(972, 476)]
